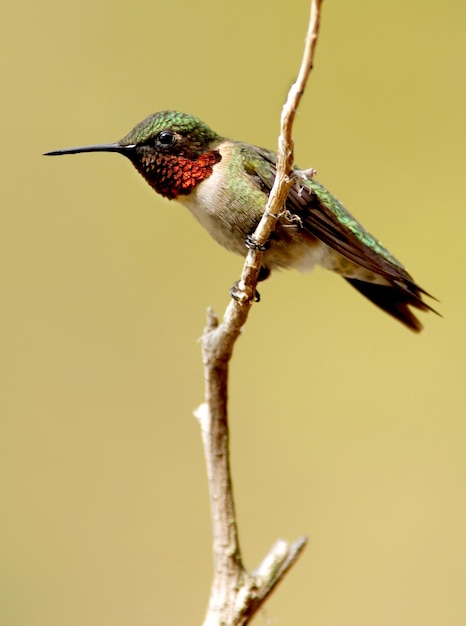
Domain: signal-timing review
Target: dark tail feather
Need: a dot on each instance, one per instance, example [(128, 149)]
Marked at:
[(395, 301)]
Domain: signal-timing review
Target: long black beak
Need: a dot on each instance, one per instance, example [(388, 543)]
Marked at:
[(102, 147)]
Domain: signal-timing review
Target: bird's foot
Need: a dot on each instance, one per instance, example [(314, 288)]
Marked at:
[(303, 175), (253, 245), (241, 296), (300, 177)]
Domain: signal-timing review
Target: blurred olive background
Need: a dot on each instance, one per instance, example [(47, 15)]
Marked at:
[(345, 426)]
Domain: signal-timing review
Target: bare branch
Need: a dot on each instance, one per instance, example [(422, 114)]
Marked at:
[(285, 155), (237, 595)]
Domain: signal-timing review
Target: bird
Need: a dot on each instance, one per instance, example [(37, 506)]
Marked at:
[(225, 184)]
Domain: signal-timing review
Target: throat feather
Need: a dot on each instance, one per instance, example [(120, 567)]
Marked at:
[(174, 175)]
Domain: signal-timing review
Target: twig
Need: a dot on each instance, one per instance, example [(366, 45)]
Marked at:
[(237, 595)]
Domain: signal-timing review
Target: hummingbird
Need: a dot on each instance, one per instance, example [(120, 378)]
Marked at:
[(225, 185)]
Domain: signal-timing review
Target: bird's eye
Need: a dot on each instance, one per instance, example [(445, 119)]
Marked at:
[(166, 138)]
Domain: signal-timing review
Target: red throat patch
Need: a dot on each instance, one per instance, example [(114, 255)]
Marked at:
[(172, 175)]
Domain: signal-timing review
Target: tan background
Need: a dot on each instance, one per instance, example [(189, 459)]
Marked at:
[(345, 426)]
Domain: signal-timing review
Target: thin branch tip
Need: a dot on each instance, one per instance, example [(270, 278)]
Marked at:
[(282, 555), (212, 319)]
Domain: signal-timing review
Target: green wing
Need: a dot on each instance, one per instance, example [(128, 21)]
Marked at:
[(324, 217)]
